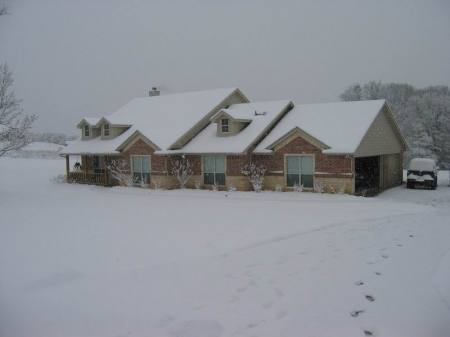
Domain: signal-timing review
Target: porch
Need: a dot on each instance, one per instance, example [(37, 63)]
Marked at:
[(86, 169)]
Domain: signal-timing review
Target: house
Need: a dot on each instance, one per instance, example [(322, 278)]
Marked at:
[(337, 147)]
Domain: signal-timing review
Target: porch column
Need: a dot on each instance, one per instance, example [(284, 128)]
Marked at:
[(67, 167)]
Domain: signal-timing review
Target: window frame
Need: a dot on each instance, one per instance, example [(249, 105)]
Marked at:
[(86, 130), (313, 157), (106, 130), (225, 125), (215, 171), (140, 183)]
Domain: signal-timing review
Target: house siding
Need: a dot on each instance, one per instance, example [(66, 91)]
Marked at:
[(381, 138)]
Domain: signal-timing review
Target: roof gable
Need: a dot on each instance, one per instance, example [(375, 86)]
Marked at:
[(208, 141), (382, 137), (340, 126), (167, 121), (294, 133)]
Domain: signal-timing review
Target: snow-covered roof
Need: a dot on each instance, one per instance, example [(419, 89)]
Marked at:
[(341, 125), (97, 145), (422, 164), (92, 121), (162, 119), (207, 141)]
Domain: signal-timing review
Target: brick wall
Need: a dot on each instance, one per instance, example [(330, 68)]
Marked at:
[(235, 163), (331, 164)]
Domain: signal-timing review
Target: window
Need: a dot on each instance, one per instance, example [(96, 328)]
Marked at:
[(214, 170), (225, 125), (300, 171), (106, 130), (140, 165), (86, 130)]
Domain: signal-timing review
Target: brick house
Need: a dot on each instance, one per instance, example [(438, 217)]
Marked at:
[(335, 147)]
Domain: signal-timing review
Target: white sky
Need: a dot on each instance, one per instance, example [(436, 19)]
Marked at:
[(88, 57)]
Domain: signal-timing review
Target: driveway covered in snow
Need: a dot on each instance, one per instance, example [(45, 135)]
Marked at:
[(89, 261)]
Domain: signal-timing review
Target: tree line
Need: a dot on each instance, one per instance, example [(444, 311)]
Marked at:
[(423, 115)]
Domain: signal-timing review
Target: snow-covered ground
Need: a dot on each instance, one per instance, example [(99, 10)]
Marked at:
[(89, 261)]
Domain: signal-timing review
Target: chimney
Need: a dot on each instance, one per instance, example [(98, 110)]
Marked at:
[(153, 92)]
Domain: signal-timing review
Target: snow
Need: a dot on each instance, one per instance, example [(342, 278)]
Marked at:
[(207, 141), (78, 260), (422, 164), (43, 146), (162, 119), (92, 121), (341, 125)]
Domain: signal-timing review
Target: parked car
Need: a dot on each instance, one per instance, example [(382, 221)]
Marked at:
[(422, 172)]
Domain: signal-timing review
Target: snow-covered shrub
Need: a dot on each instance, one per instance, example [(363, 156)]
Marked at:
[(330, 189), (182, 170), (319, 187), (215, 187), (297, 188), (278, 188), (120, 171), (255, 173)]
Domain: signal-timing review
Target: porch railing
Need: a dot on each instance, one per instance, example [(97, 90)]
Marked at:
[(88, 178)]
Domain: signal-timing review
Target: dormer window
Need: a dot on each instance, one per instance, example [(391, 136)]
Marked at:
[(86, 130), (106, 130), (225, 125)]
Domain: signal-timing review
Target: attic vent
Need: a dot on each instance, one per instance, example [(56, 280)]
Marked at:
[(260, 113)]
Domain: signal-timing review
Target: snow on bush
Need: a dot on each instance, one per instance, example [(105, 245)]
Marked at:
[(182, 170), (120, 171), (297, 188), (255, 173), (319, 187)]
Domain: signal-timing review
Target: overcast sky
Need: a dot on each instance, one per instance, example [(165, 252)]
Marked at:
[(88, 57)]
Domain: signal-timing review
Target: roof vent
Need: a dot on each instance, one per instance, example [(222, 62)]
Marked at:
[(260, 113), (154, 92)]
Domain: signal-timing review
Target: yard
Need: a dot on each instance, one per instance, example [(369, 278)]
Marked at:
[(78, 260)]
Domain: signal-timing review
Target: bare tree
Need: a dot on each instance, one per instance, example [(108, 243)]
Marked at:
[(14, 125), (182, 169), (120, 171), (255, 173)]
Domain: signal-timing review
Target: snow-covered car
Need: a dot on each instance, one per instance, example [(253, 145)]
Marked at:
[(422, 172)]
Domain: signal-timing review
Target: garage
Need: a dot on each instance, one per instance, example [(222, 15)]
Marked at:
[(367, 175)]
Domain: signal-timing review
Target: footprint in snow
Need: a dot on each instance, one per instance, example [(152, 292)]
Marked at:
[(399, 245), (411, 236), (359, 283), (356, 313), (385, 256), (368, 333), (370, 298), (377, 273)]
